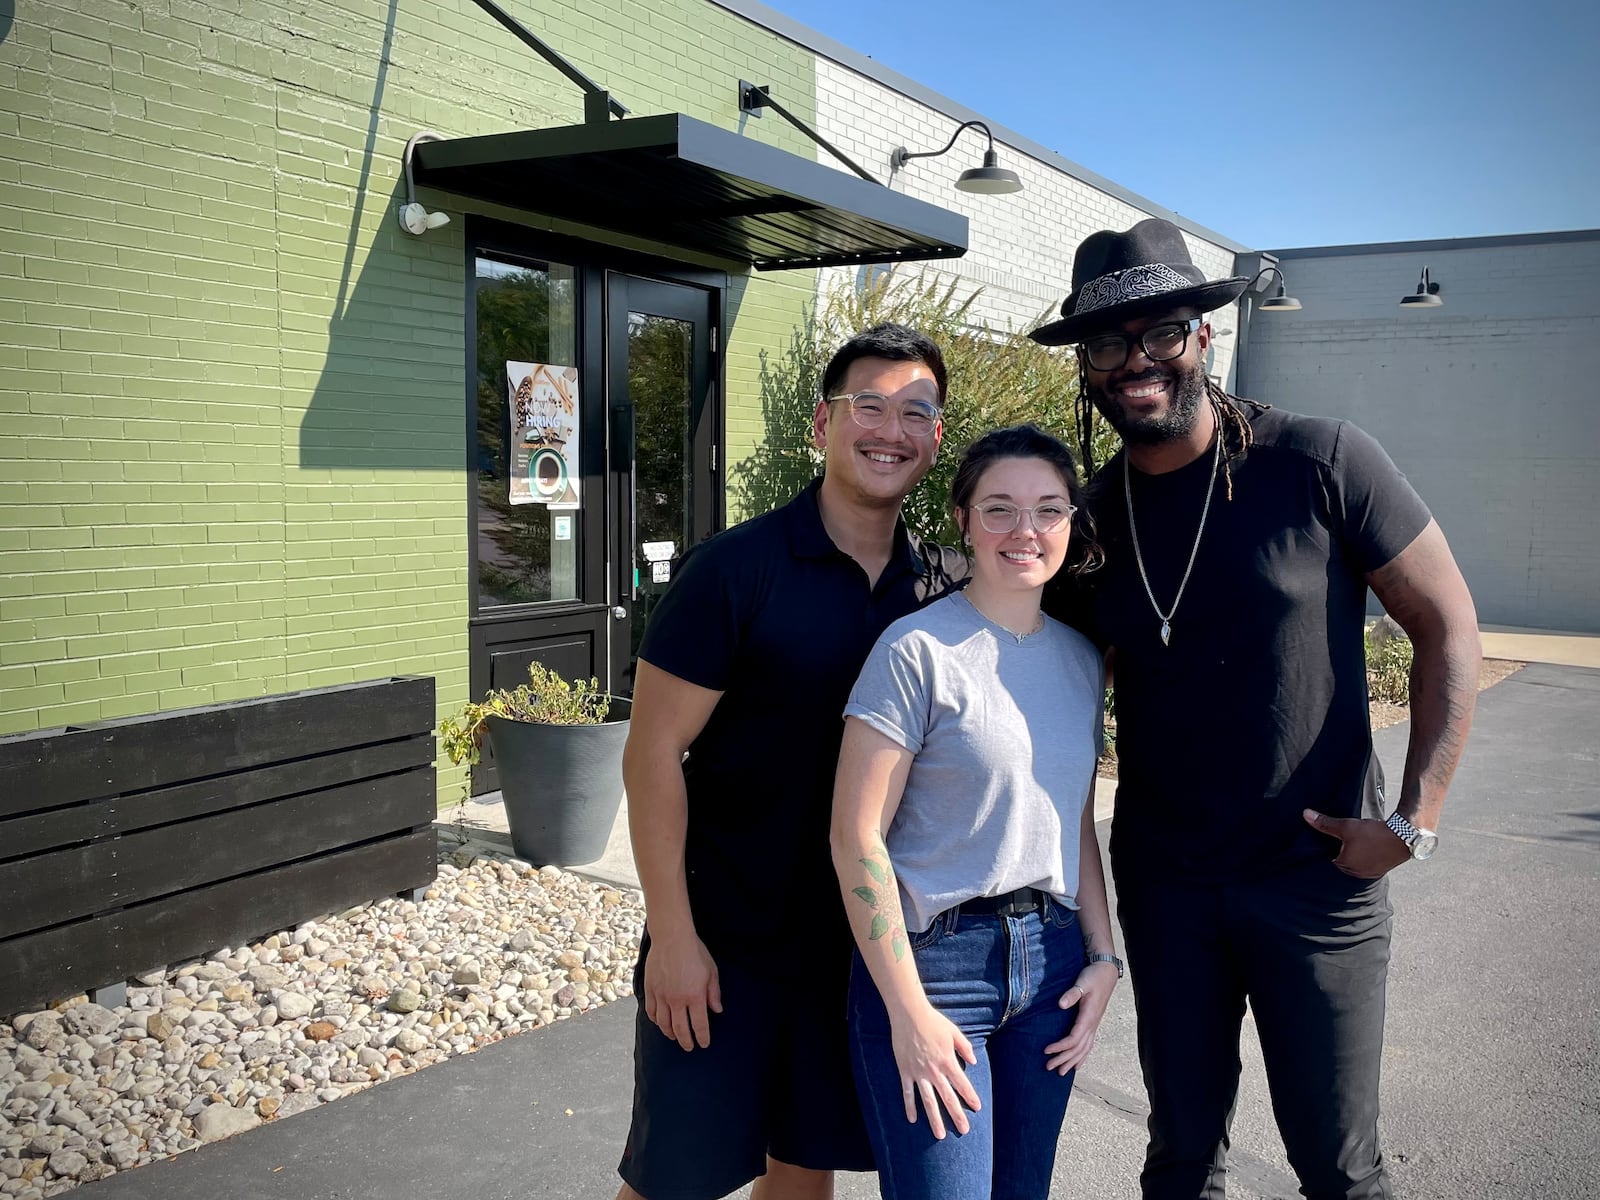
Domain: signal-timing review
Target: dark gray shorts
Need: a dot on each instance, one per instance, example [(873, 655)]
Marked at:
[(775, 1080)]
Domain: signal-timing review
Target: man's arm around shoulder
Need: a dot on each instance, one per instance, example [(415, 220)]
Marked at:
[(1422, 589), (680, 978)]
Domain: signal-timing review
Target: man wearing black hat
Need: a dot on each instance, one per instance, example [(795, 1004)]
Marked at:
[(1252, 832)]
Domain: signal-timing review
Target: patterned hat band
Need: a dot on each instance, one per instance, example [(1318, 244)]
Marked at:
[(1135, 283)]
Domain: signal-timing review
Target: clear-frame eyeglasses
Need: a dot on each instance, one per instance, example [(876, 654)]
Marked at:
[(1001, 516), (871, 409)]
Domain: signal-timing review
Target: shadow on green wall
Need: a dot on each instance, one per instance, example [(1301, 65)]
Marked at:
[(389, 394), (784, 460)]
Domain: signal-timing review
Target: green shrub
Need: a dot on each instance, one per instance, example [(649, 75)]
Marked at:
[(546, 699), (997, 377), (1389, 669)]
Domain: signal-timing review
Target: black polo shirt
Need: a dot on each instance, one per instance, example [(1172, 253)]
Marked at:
[(776, 617), (1257, 708)]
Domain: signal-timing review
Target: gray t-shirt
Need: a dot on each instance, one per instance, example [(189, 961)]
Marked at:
[(1005, 736)]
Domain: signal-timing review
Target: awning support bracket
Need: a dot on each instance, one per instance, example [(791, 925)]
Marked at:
[(598, 104), (754, 97)]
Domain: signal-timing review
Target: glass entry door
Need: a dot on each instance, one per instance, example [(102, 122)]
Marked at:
[(663, 411), (594, 423), (540, 548)]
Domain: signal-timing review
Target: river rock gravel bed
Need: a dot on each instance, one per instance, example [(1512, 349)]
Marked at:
[(262, 1032)]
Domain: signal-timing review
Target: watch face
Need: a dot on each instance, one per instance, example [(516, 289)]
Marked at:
[(1424, 846)]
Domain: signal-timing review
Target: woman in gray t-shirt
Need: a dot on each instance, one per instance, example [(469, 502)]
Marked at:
[(965, 847)]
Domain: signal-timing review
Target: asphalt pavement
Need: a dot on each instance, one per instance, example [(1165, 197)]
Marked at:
[(1491, 1058)]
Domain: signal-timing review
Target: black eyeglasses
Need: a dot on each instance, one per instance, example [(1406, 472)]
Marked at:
[(871, 409), (1160, 343)]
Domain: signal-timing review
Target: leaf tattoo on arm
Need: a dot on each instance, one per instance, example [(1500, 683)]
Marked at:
[(884, 901)]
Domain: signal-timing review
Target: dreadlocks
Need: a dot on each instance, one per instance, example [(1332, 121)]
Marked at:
[(1237, 434), (1233, 424)]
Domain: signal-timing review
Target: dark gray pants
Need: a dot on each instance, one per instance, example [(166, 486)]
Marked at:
[(1309, 950)]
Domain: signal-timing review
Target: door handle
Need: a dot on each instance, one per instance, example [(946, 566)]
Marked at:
[(619, 613), (622, 432)]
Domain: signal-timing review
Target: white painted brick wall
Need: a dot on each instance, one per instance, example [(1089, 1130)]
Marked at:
[(1489, 404), (1021, 245)]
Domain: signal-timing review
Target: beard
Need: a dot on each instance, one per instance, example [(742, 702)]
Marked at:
[(1188, 392)]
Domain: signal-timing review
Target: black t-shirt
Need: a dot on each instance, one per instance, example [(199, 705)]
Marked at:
[(1257, 708), (776, 617)]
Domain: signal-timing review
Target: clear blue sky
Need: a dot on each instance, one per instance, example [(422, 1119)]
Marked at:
[(1279, 123)]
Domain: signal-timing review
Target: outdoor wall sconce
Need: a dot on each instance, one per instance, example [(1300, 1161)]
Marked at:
[(1426, 295), (1278, 302), (990, 179), (414, 218)]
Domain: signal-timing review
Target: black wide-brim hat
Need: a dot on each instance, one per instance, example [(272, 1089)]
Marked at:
[(1117, 277)]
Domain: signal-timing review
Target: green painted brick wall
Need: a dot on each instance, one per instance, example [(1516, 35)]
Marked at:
[(232, 445)]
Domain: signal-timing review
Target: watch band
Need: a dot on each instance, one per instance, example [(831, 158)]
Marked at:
[(1421, 842), (1108, 958), (1402, 828)]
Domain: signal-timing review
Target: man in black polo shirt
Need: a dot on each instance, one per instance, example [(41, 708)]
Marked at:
[(1250, 842), (740, 1062)]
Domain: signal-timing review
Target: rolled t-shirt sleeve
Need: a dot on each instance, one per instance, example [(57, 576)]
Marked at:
[(695, 631), (1380, 512), (891, 696)]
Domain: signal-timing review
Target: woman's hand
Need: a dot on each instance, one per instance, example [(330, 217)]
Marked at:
[(928, 1049), (1091, 994)]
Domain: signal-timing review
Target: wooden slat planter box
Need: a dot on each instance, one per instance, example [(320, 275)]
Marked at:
[(130, 845)]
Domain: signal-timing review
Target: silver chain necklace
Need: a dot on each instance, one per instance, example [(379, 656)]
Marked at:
[(1127, 491), (1020, 637)]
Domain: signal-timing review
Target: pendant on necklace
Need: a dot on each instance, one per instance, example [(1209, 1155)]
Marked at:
[(1166, 632)]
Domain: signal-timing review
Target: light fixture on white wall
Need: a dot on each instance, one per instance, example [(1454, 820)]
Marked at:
[(1279, 302), (1426, 295), (415, 218), (990, 179)]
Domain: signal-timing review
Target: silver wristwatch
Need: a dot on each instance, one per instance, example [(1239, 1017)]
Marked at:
[(1110, 958), (1421, 842)]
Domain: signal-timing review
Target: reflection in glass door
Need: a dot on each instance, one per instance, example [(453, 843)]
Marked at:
[(660, 355), (529, 520)]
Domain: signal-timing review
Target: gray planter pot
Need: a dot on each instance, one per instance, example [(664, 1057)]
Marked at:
[(561, 784)]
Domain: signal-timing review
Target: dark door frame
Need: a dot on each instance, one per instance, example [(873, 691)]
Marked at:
[(601, 468), (695, 304)]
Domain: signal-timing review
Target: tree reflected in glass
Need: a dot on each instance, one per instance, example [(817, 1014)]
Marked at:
[(525, 313)]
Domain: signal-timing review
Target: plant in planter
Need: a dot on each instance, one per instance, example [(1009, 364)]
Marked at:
[(558, 746)]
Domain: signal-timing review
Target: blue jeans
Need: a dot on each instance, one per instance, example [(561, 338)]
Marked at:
[(998, 979)]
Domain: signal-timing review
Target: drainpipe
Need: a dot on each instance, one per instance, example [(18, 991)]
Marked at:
[(1249, 264)]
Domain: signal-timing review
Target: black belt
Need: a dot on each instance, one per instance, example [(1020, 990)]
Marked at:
[(1012, 904)]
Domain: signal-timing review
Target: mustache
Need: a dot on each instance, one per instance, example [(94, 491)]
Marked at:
[(1149, 375)]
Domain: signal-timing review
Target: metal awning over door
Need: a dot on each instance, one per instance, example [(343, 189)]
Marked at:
[(681, 182)]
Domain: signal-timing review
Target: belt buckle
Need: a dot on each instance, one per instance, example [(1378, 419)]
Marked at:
[(1022, 902)]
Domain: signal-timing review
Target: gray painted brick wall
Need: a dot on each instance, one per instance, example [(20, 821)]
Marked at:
[(1490, 404)]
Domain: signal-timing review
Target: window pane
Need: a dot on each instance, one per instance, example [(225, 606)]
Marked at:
[(659, 357), (527, 317)]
